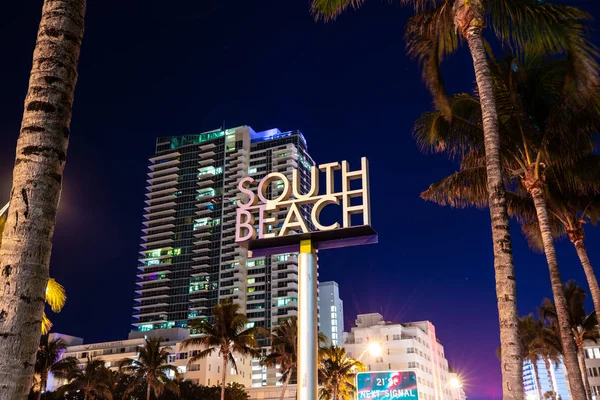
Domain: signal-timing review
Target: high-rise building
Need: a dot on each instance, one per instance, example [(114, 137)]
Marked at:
[(331, 312), (550, 380), (189, 260), (390, 346)]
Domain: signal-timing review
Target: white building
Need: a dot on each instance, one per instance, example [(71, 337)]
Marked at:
[(550, 380), (205, 372), (331, 312), (404, 346), (592, 366)]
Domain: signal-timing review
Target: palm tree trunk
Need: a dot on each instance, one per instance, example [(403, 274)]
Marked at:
[(583, 370), (548, 367), (148, 393), (335, 391), (37, 177), (285, 384), (506, 289), (537, 379), (43, 384), (224, 375), (587, 269), (562, 312)]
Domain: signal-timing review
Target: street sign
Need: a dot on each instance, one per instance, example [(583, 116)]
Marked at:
[(387, 385)]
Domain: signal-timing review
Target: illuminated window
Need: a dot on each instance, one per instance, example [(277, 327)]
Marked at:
[(333, 309), (251, 280), (252, 170)]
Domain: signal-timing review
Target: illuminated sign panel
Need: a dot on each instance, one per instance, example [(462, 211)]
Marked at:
[(387, 385), (255, 213)]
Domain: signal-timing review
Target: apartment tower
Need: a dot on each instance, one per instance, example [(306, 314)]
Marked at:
[(189, 260)]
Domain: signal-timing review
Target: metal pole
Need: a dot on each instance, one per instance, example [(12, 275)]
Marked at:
[(307, 322)]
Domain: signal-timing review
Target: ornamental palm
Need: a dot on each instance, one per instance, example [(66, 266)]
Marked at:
[(581, 324), (36, 185), (48, 359), (284, 350), (226, 336), (94, 381), (337, 373), (435, 33), (539, 112), (150, 369)]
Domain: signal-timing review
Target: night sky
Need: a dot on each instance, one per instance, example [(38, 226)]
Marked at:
[(154, 68)]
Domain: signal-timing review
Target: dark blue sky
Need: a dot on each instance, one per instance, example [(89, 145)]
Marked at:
[(149, 69)]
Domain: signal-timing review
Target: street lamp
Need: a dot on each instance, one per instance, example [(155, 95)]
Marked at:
[(455, 383), (374, 350)]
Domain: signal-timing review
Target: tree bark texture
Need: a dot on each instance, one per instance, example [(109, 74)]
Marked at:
[(285, 384), (590, 276), (37, 178), (560, 302), (506, 289), (148, 391), (224, 374), (584, 375)]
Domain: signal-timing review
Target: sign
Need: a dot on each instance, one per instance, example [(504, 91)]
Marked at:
[(387, 385), (255, 217)]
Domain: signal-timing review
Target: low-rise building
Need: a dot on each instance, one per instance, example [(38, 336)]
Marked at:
[(206, 371), (390, 346)]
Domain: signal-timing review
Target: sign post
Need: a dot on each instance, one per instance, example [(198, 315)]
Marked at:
[(294, 236)]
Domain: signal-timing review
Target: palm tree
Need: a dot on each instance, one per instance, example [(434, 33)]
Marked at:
[(581, 324), (537, 114), (433, 34), (151, 368), (226, 336), (94, 380), (337, 373), (55, 297), (37, 178), (48, 359), (284, 350)]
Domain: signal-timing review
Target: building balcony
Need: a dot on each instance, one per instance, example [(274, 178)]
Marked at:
[(161, 227), (160, 272), (205, 182), (200, 266), (147, 258), (239, 153), (289, 276), (174, 154), (201, 258), (150, 296), (203, 212), (162, 173), (155, 268), (144, 307), (163, 166), (201, 234), (206, 162), (199, 274), (161, 192), (156, 242), (207, 154), (162, 185), (207, 146), (159, 199), (152, 286), (157, 235), (151, 209), (147, 284), (203, 249)]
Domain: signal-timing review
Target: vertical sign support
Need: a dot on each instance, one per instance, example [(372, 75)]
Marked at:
[(307, 321)]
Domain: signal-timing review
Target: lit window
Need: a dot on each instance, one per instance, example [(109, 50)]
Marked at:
[(596, 352), (333, 309), (252, 170)]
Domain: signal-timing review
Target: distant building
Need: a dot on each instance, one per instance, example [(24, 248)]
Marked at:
[(548, 379), (592, 366), (204, 372), (403, 346), (331, 312)]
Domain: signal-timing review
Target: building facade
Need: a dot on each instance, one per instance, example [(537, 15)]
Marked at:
[(189, 260), (592, 365), (403, 346), (551, 380), (205, 372), (331, 312)]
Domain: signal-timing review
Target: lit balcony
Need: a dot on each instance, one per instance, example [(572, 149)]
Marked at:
[(156, 242), (198, 274)]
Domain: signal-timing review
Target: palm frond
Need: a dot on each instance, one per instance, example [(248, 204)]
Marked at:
[(46, 324), (466, 188), (328, 10), (55, 295)]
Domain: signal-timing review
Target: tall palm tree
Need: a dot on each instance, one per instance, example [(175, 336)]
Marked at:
[(284, 350), (37, 178), (583, 326), (48, 359), (337, 373), (94, 381), (537, 115), (151, 368), (226, 336), (435, 33), (55, 296)]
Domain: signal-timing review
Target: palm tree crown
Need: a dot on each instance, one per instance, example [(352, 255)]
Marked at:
[(228, 335), (151, 368), (93, 380), (337, 373), (48, 359)]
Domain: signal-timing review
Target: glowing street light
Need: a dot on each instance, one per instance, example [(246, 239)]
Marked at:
[(455, 383), (374, 350)]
